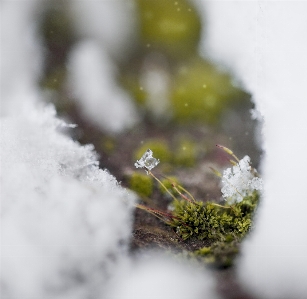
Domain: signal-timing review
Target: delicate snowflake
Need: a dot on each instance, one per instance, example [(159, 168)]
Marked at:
[(147, 161), (239, 181)]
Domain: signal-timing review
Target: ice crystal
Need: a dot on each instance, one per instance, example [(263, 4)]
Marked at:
[(147, 161), (239, 181)]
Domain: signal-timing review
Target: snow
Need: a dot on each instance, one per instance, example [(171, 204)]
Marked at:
[(21, 56), (110, 23), (161, 276), (106, 31), (264, 44), (92, 82), (240, 181), (65, 223), (62, 217)]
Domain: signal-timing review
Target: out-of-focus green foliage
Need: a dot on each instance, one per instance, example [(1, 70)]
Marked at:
[(170, 26), (159, 147), (185, 153), (168, 183), (196, 90), (178, 153), (56, 26), (57, 32), (131, 82), (142, 184), (201, 92)]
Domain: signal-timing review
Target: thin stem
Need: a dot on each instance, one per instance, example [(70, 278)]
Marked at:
[(182, 195), (187, 192), (221, 206), (216, 172), (175, 185), (228, 151), (157, 213), (172, 195)]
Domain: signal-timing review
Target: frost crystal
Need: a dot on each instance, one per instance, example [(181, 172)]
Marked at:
[(239, 181), (147, 161)]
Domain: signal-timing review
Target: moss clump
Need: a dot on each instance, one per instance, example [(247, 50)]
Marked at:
[(219, 254), (190, 220), (159, 147), (142, 184), (210, 221), (225, 226)]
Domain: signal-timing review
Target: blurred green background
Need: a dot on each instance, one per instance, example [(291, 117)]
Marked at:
[(178, 93)]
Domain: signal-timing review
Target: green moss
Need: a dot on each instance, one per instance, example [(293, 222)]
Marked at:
[(169, 26), (142, 184), (221, 227), (202, 92), (220, 254), (159, 147), (224, 227), (196, 220), (204, 251), (209, 221)]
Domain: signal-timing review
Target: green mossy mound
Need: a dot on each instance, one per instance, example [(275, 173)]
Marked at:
[(223, 226)]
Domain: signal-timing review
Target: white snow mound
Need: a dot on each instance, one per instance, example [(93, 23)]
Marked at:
[(64, 221)]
